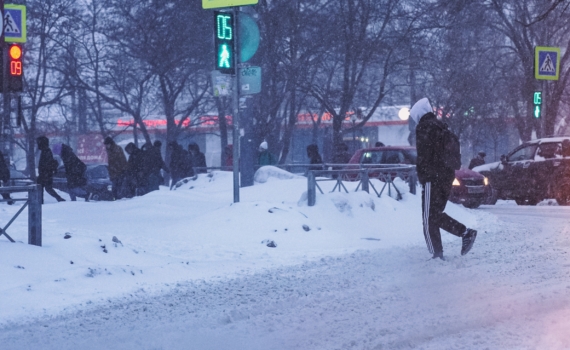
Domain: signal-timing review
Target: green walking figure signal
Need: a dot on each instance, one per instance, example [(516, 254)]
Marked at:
[(537, 103), (224, 41)]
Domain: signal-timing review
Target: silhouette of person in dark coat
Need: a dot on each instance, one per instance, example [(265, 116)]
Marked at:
[(47, 168), (197, 159), (5, 177), (74, 173)]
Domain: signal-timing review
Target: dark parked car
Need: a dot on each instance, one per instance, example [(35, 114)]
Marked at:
[(533, 171), (99, 186), (469, 187)]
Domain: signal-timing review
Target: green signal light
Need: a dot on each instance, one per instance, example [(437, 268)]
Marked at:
[(537, 102), (224, 57), (537, 111), (224, 40)]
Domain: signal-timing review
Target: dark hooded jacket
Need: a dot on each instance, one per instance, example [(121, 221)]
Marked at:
[(136, 166), (180, 163), (116, 159), (315, 157), (4, 170), (74, 168), (429, 144), (197, 159), (47, 165)]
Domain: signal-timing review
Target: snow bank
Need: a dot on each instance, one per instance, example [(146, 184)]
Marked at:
[(194, 233)]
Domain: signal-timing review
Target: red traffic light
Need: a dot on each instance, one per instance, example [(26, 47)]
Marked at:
[(15, 60)]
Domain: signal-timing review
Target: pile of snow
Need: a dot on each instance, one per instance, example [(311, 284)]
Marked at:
[(94, 251)]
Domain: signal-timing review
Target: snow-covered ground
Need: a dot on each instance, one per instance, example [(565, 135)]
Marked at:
[(194, 271)]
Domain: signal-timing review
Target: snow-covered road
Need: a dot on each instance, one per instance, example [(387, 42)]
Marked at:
[(511, 292)]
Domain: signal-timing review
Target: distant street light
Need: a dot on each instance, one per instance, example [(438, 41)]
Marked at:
[(404, 113)]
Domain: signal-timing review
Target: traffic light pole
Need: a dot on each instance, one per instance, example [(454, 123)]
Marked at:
[(5, 95), (235, 114)]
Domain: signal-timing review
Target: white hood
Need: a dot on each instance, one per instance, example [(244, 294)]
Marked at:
[(420, 109)]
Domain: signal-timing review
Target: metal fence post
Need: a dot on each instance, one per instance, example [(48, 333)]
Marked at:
[(35, 216), (312, 190), (365, 179)]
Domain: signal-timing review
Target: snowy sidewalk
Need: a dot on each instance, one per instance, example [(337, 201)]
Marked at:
[(511, 292)]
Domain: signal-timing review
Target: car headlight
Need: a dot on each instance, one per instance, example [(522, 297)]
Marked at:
[(486, 181), (109, 187), (456, 182)]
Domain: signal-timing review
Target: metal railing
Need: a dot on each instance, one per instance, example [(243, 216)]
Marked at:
[(34, 205), (385, 173)]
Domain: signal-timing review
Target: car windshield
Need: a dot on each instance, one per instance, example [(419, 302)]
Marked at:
[(98, 172), (524, 153)]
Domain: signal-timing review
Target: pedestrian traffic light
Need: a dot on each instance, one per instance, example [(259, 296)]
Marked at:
[(537, 104), (12, 73), (224, 42)]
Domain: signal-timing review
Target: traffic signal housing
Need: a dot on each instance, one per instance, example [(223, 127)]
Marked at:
[(224, 40), (537, 104), (13, 71)]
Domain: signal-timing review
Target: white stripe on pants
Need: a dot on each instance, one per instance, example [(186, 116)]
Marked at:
[(427, 195)]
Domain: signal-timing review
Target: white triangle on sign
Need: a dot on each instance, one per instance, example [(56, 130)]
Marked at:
[(547, 65), (10, 26)]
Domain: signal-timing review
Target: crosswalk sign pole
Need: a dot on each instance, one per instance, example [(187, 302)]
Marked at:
[(235, 114)]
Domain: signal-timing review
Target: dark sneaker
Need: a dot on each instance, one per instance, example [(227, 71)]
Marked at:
[(468, 240), (438, 256)]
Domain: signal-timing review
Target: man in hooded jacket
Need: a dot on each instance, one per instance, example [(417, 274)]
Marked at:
[(47, 168), (74, 173), (437, 181)]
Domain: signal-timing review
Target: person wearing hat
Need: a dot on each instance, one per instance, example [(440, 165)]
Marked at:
[(478, 160), (436, 178), (265, 157)]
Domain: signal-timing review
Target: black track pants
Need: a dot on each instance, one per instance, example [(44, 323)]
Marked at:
[(434, 199)]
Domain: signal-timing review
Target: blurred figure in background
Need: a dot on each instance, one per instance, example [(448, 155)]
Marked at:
[(134, 184), (117, 166), (180, 163), (47, 168), (265, 157), (229, 158), (341, 155), (5, 177), (478, 160), (314, 157), (197, 159), (74, 173)]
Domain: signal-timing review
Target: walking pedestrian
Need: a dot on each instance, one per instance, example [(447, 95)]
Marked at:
[(314, 157), (197, 159), (265, 157), (180, 166), (117, 164), (46, 168), (229, 158), (478, 160), (74, 173), (135, 184), (436, 177), (5, 177)]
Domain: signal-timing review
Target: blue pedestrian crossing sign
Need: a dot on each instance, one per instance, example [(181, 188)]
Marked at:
[(546, 63), (15, 23)]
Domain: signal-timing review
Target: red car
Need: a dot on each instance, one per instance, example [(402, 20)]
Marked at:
[(469, 187)]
